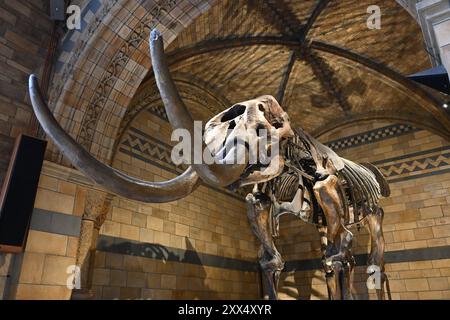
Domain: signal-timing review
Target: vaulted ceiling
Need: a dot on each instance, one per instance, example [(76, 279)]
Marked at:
[(318, 57)]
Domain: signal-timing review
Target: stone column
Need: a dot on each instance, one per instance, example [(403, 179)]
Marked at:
[(410, 6), (442, 31), (96, 208), (434, 18)]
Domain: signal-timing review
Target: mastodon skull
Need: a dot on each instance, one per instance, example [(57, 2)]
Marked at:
[(251, 132)]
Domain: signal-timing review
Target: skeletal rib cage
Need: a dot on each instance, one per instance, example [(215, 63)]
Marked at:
[(359, 184)]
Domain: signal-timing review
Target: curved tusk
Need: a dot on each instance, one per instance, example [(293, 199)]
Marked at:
[(180, 118), (107, 177)]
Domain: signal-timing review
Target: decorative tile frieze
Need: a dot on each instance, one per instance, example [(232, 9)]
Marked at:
[(160, 252), (405, 167), (191, 90), (138, 34), (398, 256), (141, 146), (138, 143), (410, 166), (69, 52), (416, 165), (371, 136)]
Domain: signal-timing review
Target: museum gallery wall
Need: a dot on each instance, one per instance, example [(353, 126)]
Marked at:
[(201, 246)]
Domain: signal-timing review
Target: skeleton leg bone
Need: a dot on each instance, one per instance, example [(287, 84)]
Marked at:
[(376, 257), (348, 269), (338, 260), (329, 274), (258, 212)]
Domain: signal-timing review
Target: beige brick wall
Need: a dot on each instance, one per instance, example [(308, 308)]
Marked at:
[(213, 222), (43, 265), (127, 277), (408, 280), (25, 31), (205, 222), (208, 221), (417, 216)]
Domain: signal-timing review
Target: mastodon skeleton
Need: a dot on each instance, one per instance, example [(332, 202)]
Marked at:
[(306, 178), (311, 188)]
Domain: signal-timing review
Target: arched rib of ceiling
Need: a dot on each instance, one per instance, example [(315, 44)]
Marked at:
[(429, 102)]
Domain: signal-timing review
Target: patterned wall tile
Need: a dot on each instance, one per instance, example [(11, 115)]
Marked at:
[(406, 167), (416, 165), (410, 166), (371, 136), (140, 145)]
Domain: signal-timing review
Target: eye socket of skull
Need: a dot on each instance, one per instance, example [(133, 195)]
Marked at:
[(277, 124), (234, 112), (240, 121), (272, 111)]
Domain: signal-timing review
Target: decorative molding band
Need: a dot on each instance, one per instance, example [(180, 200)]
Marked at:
[(402, 168), (58, 223), (140, 143), (411, 155), (61, 172), (371, 136), (160, 252), (417, 176), (55, 222), (410, 255), (137, 36), (141, 146), (416, 165), (192, 91), (159, 111)]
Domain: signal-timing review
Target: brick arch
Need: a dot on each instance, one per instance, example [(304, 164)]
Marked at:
[(100, 67), (375, 117), (203, 102)]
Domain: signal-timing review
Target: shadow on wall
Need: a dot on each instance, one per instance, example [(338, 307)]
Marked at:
[(304, 278), (3, 274), (184, 268), (8, 274), (311, 285), (299, 286), (191, 256), (360, 290)]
